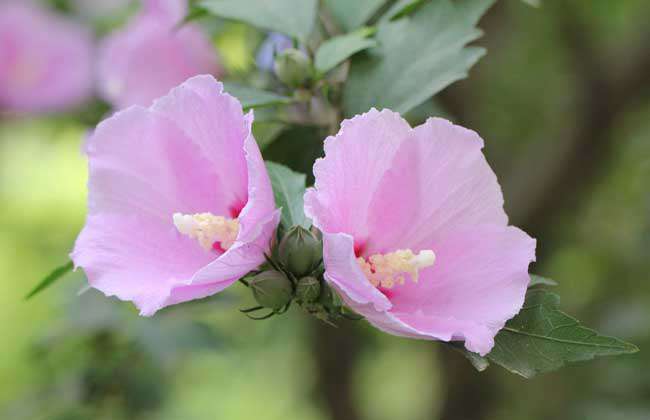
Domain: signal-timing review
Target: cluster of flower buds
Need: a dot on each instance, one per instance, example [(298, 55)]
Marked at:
[(295, 275)]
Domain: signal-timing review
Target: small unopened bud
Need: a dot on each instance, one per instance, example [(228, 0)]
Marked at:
[(292, 67), (329, 298), (300, 251), (271, 289), (308, 289), (326, 296)]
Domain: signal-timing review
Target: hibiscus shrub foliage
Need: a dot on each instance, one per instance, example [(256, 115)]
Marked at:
[(396, 219)]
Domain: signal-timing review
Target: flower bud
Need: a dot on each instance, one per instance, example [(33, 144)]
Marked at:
[(329, 298), (271, 289), (300, 251), (292, 67), (308, 289)]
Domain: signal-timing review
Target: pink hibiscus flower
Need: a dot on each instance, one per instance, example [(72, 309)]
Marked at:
[(180, 203), (148, 57), (415, 235), (45, 60)]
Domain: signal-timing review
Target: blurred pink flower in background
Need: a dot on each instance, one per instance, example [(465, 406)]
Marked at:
[(45, 60), (180, 203), (151, 55), (415, 235)]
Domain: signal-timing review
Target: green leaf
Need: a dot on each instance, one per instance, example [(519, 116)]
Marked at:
[(401, 9), (265, 133), (338, 49), (542, 338), (288, 189), (540, 281), (251, 97), (55, 275), (534, 3), (416, 56), (292, 17), (350, 14)]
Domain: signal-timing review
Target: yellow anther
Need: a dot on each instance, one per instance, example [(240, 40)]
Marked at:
[(208, 229), (387, 270)]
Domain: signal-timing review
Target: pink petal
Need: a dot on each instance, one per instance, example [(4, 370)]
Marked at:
[(236, 262), (215, 122), (239, 259), (478, 337), (439, 180), (141, 163), (480, 276), (478, 282), (45, 59), (344, 274), (347, 177), (261, 201), (256, 226), (145, 165), (152, 42), (136, 258)]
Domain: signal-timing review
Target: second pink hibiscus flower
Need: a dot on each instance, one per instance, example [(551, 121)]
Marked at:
[(415, 236)]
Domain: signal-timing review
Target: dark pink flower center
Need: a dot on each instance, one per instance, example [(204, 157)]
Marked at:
[(236, 208)]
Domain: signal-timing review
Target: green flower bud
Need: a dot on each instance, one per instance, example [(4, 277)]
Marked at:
[(271, 289), (329, 298), (300, 251), (292, 67), (308, 289), (326, 296)]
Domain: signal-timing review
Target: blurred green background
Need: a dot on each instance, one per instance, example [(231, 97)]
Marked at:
[(562, 100)]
